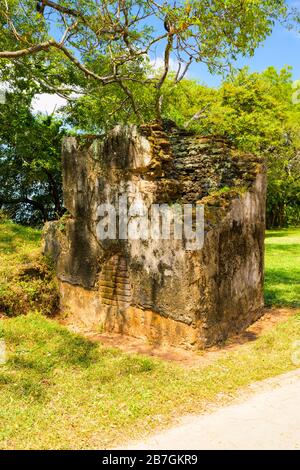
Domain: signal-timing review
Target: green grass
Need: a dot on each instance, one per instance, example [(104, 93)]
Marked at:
[(26, 278), (18, 245), (282, 279), (60, 391)]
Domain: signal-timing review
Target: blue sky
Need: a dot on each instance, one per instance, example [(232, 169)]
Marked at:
[(279, 50)]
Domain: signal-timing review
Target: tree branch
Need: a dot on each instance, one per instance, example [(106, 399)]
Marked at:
[(46, 46), (62, 9), (131, 98), (198, 115), (158, 103), (43, 46)]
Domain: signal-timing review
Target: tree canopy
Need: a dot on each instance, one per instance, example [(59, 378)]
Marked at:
[(259, 113), (111, 42), (99, 56), (30, 162)]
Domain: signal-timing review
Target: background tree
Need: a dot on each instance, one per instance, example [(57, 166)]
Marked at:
[(110, 42), (257, 112), (30, 162), (97, 54)]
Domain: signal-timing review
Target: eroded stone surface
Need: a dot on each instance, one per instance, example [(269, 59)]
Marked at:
[(157, 288)]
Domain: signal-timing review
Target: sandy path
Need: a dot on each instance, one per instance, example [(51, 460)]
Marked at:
[(266, 416)]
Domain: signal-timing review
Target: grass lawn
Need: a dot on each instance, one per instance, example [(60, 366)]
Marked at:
[(26, 279), (282, 282), (18, 245), (61, 391)]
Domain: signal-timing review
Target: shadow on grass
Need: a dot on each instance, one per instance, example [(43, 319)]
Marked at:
[(282, 288), (42, 353), (35, 353), (288, 249), (276, 233), (282, 273), (7, 242)]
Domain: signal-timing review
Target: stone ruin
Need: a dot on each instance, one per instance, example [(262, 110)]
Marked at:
[(158, 289)]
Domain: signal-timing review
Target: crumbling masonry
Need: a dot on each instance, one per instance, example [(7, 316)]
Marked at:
[(157, 289)]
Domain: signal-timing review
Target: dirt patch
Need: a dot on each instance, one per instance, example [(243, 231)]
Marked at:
[(129, 344), (269, 319)]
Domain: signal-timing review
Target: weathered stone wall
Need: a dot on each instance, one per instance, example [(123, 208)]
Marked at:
[(157, 289)]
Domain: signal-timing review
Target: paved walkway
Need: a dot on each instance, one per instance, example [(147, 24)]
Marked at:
[(266, 416)]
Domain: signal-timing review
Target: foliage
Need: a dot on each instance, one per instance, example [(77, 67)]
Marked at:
[(261, 116), (257, 112), (283, 201), (111, 42), (98, 56), (30, 162), (27, 280), (98, 111)]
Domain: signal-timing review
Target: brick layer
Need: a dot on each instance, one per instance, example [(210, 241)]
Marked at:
[(114, 285)]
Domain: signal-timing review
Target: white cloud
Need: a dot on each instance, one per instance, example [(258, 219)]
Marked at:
[(158, 63), (46, 103)]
